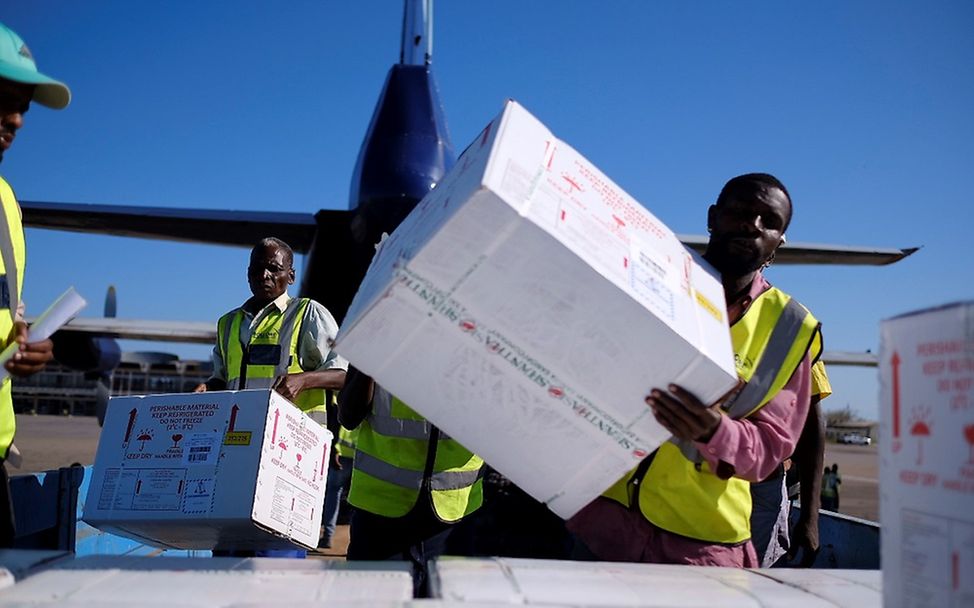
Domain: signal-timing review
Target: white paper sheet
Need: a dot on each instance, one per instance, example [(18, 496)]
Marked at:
[(65, 308)]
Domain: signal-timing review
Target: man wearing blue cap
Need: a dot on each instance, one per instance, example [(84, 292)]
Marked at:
[(20, 84)]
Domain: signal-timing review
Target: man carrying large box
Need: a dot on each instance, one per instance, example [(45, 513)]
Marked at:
[(689, 502), (276, 341)]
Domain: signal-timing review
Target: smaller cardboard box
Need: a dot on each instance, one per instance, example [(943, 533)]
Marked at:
[(528, 305), (241, 470), (926, 449)]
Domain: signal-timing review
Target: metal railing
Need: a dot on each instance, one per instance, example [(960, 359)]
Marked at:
[(60, 390)]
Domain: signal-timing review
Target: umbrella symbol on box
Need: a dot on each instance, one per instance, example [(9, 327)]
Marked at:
[(919, 427), (298, 456), (143, 437), (282, 445)]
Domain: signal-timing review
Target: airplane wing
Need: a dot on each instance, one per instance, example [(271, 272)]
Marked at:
[(192, 332), (244, 228), (211, 226), (837, 357), (816, 253), (205, 333)]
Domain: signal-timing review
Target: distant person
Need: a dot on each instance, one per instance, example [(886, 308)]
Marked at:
[(831, 480), (275, 341), (411, 483), (771, 498), (690, 501), (20, 84)]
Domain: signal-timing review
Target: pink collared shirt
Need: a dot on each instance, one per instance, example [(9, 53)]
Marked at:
[(755, 445)]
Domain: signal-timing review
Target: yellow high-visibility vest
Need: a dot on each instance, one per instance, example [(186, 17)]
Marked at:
[(679, 493), (11, 210), (271, 353), (345, 445), (400, 456)]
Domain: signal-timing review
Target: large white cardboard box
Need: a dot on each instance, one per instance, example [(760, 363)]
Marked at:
[(228, 470), (528, 305), (926, 448)]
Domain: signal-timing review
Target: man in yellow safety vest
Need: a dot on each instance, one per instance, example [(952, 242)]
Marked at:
[(20, 84), (276, 341), (690, 501), (411, 482)]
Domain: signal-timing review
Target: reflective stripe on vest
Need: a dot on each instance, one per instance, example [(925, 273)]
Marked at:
[(346, 441), (15, 235), (275, 329), (680, 493), (408, 478), (400, 457)]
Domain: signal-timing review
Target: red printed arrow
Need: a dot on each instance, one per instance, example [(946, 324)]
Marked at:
[(292, 504), (128, 431), (180, 490), (233, 417), (138, 486), (277, 414), (895, 361)]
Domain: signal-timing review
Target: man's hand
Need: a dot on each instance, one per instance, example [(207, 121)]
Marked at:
[(682, 414), (804, 536), (290, 386), (31, 356), (201, 388)]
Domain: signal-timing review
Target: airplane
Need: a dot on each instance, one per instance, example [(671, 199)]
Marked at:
[(405, 152)]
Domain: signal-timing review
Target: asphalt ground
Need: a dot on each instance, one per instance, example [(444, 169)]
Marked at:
[(50, 442)]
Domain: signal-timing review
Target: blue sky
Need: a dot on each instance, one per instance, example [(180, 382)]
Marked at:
[(863, 109)]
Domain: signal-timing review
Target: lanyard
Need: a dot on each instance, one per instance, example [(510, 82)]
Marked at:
[(9, 260)]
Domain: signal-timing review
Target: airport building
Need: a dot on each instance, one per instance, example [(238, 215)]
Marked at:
[(64, 391)]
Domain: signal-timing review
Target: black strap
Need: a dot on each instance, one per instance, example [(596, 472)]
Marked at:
[(632, 486)]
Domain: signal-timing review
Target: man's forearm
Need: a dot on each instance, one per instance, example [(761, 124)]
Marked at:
[(329, 379)]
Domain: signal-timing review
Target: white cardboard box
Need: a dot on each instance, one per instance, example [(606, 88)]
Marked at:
[(229, 470), (528, 305), (926, 448), (542, 582)]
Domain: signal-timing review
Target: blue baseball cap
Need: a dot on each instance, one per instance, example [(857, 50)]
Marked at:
[(17, 64)]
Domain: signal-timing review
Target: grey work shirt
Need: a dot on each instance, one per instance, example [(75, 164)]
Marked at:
[(317, 330)]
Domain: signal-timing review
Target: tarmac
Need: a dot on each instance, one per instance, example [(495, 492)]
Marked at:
[(51, 442)]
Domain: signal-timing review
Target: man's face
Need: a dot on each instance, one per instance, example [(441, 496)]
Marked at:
[(269, 273), (746, 230), (14, 101)]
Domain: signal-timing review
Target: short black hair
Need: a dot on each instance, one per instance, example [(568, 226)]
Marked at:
[(750, 183), (272, 241)]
